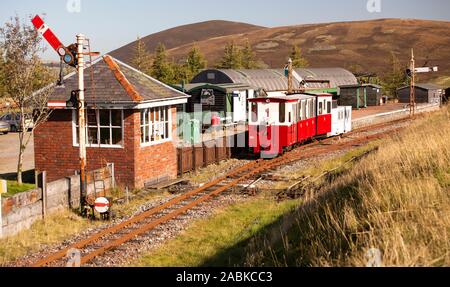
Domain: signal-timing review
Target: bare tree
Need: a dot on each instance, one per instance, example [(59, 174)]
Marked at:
[(23, 75)]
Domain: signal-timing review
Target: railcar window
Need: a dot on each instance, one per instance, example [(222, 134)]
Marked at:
[(328, 107), (282, 112), (254, 112), (294, 112), (303, 110), (320, 108), (310, 107)]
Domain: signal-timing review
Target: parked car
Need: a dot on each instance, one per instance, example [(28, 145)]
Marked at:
[(4, 127), (14, 121)]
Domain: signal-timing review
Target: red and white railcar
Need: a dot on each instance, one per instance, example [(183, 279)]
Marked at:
[(280, 122)]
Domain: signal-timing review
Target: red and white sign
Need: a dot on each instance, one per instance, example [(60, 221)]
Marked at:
[(102, 205), (48, 35), (56, 105)]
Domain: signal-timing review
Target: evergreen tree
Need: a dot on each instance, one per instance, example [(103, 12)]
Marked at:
[(181, 73), (195, 62), (232, 58), (162, 69), (298, 61), (395, 78), (141, 57), (248, 57)]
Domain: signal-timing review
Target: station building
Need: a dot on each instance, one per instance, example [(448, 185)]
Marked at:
[(131, 122)]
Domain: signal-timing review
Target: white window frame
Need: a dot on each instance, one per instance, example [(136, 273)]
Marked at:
[(168, 120), (97, 114)]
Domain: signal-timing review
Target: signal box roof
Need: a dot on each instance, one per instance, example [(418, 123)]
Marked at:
[(109, 81)]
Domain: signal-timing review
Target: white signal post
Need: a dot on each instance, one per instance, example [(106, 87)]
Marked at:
[(414, 71), (82, 120), (412, 88)]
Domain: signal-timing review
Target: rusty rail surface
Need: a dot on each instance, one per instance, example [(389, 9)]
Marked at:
[(202, 194)]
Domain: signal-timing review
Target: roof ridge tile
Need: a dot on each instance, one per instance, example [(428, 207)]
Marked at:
[(131, 91)]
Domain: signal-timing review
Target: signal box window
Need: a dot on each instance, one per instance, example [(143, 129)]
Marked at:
[(155, 125), (104, 128)]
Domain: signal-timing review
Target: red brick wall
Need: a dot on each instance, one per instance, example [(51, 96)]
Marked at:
[(55, 153), (157, 161)]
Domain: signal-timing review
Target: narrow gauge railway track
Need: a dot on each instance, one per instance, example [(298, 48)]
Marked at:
[(115, 236)]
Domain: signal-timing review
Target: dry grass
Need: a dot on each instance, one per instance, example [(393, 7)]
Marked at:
[(443, 81), (54, 229), (63, 225), (395, 200), (207, 174), (220, 239)]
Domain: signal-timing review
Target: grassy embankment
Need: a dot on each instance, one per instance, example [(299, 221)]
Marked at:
[(396, 199)]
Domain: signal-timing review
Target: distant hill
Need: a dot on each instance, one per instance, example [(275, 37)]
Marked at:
[(186, 35), (358, 46)]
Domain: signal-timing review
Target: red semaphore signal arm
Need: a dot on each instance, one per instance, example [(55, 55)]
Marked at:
[(48, 35)]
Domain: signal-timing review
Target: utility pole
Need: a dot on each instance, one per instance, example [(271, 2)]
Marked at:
[(290, 84), (81, 121), (412, 89), (411, 72)]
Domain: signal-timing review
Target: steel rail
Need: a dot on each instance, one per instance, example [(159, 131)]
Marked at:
[(114, 229), (110, 245)]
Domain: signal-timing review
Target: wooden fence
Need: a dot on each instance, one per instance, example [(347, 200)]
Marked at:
[(193, 157)]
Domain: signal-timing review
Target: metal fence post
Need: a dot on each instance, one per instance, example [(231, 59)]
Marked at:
[(43, 187), (1, 216), (113, 176)]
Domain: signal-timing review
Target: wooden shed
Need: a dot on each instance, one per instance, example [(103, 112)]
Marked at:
[(227, 100), (361, 95), (425, 93), (446, 96)]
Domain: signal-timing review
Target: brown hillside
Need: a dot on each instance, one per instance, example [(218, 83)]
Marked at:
[(366, 43), (186, 34)]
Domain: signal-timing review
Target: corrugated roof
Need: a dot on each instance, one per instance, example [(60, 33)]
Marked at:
[(115, 83), (285, 98), (275, 80), (425, 86), (361, 85), (227, 88)]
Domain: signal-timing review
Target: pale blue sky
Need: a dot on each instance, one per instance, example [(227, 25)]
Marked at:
[(113, 23)]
